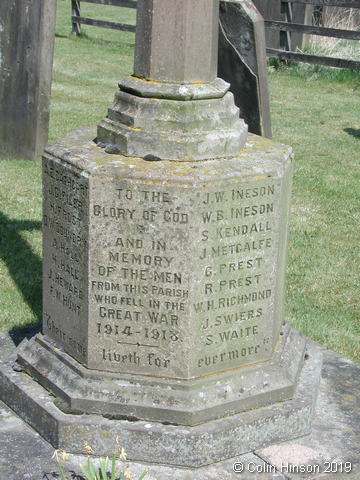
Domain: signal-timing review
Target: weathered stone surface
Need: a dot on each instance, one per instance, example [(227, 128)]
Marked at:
[(187, 402), (174, 91), (183, 258), (18, 441), (331, 452), (336, 412), (176, 41), (182, 130), (26, 52), (159, 443), (242, 62)]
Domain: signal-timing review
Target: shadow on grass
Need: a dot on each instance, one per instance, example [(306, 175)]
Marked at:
[(103, 41), (25, 268), (352, 131)]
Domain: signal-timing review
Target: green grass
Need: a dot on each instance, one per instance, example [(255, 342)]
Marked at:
[(88, 68), (315, 111), (318, 116)]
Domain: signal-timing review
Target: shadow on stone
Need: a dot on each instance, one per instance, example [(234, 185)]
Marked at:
[(56, 475), (18, 334), (353, 131), (24, 267), (246, 88), (50, 475)]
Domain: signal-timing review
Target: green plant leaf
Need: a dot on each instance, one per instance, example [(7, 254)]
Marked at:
[(92, 470), (113, 466), (103, 467), (87, 473), (62, 473), (145, 472)]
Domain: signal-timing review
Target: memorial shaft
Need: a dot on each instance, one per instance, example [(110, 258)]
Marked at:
[(176, 41), (174, 107)]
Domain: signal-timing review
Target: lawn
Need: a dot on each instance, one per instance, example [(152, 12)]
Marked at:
[(314, 111)]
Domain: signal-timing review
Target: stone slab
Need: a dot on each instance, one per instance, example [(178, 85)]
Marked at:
[(27, 29), (334, 431), (24, 454), (335, 439), (242, 62), (174, 91)]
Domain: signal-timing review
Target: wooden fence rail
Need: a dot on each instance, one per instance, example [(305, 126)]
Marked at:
[(316, 59), (77, 19), (313, 30), (327, 3), (285, 26)]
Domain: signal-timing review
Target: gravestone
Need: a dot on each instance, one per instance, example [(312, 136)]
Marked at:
[(242, 62), (164, 262), (27, 30)]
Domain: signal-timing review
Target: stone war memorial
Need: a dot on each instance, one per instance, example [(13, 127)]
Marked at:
[(164, 241)]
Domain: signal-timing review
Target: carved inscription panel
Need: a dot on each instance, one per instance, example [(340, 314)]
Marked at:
[(65, 252), (140, 279), (182, 280), (234, 302), (161, 279)]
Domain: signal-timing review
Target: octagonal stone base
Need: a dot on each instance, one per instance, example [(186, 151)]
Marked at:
[(155, 442), (166, 277), (173, 122), (186, 402)]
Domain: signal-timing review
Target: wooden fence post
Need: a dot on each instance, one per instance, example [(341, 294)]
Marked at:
[(75, 11), (308, 16)]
